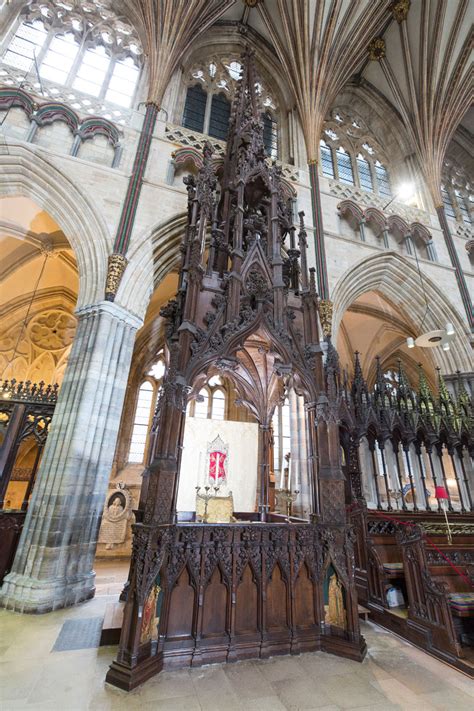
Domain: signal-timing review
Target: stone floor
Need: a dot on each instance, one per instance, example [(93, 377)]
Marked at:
[(394, 674)]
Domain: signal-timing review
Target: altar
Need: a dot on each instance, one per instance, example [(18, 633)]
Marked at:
[(220, 454)]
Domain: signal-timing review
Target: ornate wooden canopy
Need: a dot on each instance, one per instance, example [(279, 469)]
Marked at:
[(247, 307)]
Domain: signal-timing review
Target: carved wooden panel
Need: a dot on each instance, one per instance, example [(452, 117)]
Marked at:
[(277, 610), (180, 621), (214, 616), (304, 600), (246, 605)]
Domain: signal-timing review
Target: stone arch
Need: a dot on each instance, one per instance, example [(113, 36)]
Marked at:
[(28, 173), (154, 255), (386, 273)]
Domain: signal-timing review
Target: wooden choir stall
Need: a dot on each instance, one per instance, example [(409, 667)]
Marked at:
[(246, 308), (412, 509)]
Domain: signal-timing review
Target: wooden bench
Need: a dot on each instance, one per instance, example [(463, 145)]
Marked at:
[(363, 612)]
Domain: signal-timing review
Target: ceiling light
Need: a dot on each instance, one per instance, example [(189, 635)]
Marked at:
[(410, 342)]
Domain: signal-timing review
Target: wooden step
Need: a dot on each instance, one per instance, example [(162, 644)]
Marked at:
[(363, 612), (112, 624)]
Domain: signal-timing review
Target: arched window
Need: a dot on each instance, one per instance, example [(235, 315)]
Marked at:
[(141, 423), (270, 135), (68, 50), (209, 97), (281, 435), (201, 408), (350, 157), (447, 202), (365, 175), (213, 404), (344, 166), (383, 181), (195, 108), (147, 396), (220, 115), (327, 164), (218, 405)]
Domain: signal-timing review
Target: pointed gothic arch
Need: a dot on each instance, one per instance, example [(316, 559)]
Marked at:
[(26, 172), (386, 273)]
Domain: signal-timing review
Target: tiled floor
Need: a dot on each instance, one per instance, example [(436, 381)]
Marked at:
[(394, 675)]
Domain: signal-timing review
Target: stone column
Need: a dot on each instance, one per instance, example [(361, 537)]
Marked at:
[(55, 556)]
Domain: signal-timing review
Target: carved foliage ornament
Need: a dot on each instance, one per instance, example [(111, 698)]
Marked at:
[(116, 267), (400, 10), (325, 315), (376, 49)]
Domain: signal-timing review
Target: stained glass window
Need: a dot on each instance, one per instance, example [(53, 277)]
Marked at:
[(365, 175), (383, 181), (270, 135), (220, 115), (447, 202), (327, 164), (195, 108), (344, 166)]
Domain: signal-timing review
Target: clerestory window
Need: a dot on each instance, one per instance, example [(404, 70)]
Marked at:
[(208, 103), (82, 55)]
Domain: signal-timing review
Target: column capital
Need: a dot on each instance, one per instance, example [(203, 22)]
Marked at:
[(111, 309)]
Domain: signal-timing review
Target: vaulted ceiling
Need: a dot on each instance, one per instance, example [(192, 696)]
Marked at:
[(321, 44)]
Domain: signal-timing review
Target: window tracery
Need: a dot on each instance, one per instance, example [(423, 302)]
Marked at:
[(457, 193), (351, 156), (210, 89), (85, 47), (211, 403)]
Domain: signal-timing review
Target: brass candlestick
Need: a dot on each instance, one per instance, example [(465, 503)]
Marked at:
[(206, 498), (288, 498)]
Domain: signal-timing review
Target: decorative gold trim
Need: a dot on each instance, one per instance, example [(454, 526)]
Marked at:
[(400, 10), (325, 316), (313, 161), (376, 49), (115, 269)]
